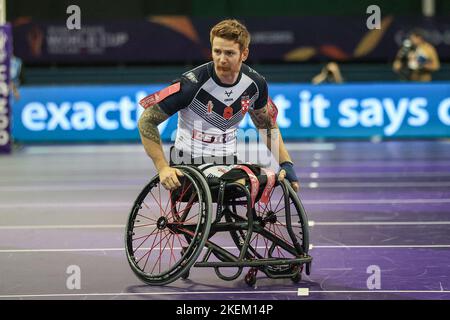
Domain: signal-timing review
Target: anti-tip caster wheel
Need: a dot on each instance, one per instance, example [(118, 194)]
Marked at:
[(297, 277), (185, 275), (250, 277), (308, 268)]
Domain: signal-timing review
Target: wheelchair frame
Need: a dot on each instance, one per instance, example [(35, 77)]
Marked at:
[(241, 229)]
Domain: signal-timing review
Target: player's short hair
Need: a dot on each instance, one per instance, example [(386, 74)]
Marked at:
[(418, 32), (231, 29)]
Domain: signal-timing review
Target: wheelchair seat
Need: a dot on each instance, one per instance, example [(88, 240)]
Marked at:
[(234, 192)]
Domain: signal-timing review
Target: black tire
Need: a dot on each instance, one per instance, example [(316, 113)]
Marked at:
[(289, 227), (188, 227)]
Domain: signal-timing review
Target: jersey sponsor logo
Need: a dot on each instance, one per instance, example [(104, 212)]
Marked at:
[(191, 76), (245, 104), (228, 99), (212, 138), (228, 113), (159, 96), (228, 93)]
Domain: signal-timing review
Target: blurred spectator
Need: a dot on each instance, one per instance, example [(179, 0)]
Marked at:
[(329, 74), (416, 59), (16, 75)]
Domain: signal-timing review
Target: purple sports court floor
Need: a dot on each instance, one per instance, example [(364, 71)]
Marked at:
[(372, 206)]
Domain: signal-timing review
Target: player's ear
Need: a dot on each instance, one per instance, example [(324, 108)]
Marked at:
[(244, 54)]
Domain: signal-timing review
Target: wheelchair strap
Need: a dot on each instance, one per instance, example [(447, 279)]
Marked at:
[(254, 182), (219, 212), (269, 185)]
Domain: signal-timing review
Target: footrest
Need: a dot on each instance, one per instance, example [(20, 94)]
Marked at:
[(253, 263)]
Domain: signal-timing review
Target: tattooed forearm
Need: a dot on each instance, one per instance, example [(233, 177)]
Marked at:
[(149, 121), (266, 125), (262, 119)]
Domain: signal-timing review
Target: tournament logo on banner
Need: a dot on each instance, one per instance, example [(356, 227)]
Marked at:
[(5, 56)]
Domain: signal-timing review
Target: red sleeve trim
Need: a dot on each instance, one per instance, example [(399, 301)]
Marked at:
[(159, 96)]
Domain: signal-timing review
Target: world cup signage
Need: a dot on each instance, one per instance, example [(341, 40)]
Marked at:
[(5, 56)]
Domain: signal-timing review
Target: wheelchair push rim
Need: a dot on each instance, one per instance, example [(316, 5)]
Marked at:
[(166, 230), (282, 233)]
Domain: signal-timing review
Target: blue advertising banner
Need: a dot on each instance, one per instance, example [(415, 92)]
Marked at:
[(110, 113), (5, 57)]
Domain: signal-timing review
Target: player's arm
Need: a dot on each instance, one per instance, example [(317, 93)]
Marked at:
[(397, 64), (319, 78), (335, 71), (265, 121), (148, 130), (159, 107), (432, 64)]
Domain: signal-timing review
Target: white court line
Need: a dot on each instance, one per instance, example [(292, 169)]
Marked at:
[(383, 174), (110, 204), (138, 186), (253, 292), (64, 188), (311, 223), (67, 205), (380, 163), (379, 246), (405, 184), (229, 248), (381, 291), (137, 148), (72, 226), (374, 201), (139, 178)]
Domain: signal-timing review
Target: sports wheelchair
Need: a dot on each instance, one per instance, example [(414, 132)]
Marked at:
[(167, 231)]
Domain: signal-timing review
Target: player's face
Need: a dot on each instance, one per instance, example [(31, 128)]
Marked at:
[(415, 40), (227, 57)]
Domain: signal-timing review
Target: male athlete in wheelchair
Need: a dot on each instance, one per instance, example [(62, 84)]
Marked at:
[(204, 192)]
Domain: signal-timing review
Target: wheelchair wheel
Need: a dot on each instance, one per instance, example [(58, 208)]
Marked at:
[(166, 230), (282, 232)]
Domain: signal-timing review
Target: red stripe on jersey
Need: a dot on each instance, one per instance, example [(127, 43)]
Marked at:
[(159, 96)]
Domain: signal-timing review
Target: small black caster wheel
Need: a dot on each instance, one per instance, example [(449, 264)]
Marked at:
[(297, 278), (308, 268), (297, 270), (250, 279), (185, 275)]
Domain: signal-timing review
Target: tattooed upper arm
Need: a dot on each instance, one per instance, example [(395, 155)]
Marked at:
[(149, 121), (262, 118)]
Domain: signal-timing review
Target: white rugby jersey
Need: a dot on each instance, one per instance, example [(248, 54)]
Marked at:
[(209, 112)]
